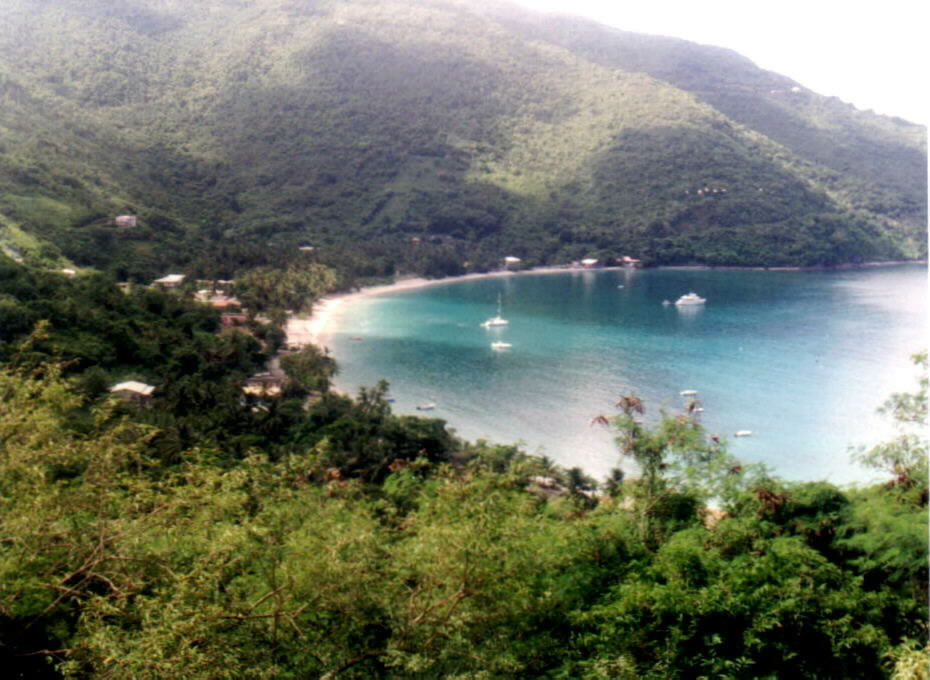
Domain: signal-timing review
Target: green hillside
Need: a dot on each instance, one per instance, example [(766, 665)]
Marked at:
[(411, 135)]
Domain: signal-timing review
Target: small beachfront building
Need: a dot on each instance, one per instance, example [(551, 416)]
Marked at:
[(217, 300), (169, 281)]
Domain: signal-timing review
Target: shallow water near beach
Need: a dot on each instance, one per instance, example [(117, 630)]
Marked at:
[(801, 359)]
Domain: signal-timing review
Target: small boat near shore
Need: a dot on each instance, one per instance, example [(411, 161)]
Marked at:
[(500, 346), (426, 407), (744, 433)]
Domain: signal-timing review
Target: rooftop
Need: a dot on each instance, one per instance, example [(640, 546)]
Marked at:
[(135, 387)]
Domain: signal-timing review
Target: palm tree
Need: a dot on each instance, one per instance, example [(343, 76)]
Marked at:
[(581, 486), (614, 482), (630, 403)]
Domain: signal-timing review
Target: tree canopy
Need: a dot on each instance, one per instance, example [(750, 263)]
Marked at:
[(385, 548)]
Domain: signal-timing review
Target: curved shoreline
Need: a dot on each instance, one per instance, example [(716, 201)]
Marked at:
[(321, 323), (319, 326)]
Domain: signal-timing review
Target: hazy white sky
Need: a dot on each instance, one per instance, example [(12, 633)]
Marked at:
[(870, 54)]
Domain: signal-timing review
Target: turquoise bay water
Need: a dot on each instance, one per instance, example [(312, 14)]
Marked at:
[(802, 359)]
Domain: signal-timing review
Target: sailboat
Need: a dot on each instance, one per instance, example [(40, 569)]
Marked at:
[(496, 320)]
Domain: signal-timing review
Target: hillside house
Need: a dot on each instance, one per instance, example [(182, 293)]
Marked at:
[(170, 281), (216, 300), (133, 391), (263, 385), (223, 302), (125, 221), (232, 320), (210, 287)]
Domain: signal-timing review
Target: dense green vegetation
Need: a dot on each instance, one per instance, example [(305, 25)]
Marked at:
[(207, 533), (212, 531), (115, 565), (100, 335), (431, 137)]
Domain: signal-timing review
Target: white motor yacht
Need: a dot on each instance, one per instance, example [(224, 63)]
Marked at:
[(690, 299)]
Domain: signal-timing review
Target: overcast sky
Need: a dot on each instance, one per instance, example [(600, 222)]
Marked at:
[(870, 54)]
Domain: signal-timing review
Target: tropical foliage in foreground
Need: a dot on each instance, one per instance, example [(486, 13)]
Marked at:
[(472, 561)]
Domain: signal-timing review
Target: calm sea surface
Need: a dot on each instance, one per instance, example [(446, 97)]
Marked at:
[(801, 359)]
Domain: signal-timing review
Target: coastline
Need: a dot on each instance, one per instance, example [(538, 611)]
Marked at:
[(316, 328), (323, 318), (849, 266), (729, 380)]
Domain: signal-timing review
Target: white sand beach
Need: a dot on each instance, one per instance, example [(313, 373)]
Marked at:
[(323, 321)]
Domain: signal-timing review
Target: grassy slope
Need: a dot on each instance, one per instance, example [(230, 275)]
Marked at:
[(866, 161), (346, 120)]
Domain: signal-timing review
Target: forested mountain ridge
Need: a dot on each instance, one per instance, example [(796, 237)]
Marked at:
[(472, 129)]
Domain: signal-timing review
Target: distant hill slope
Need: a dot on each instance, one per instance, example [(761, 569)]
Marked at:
[(424, 133)]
